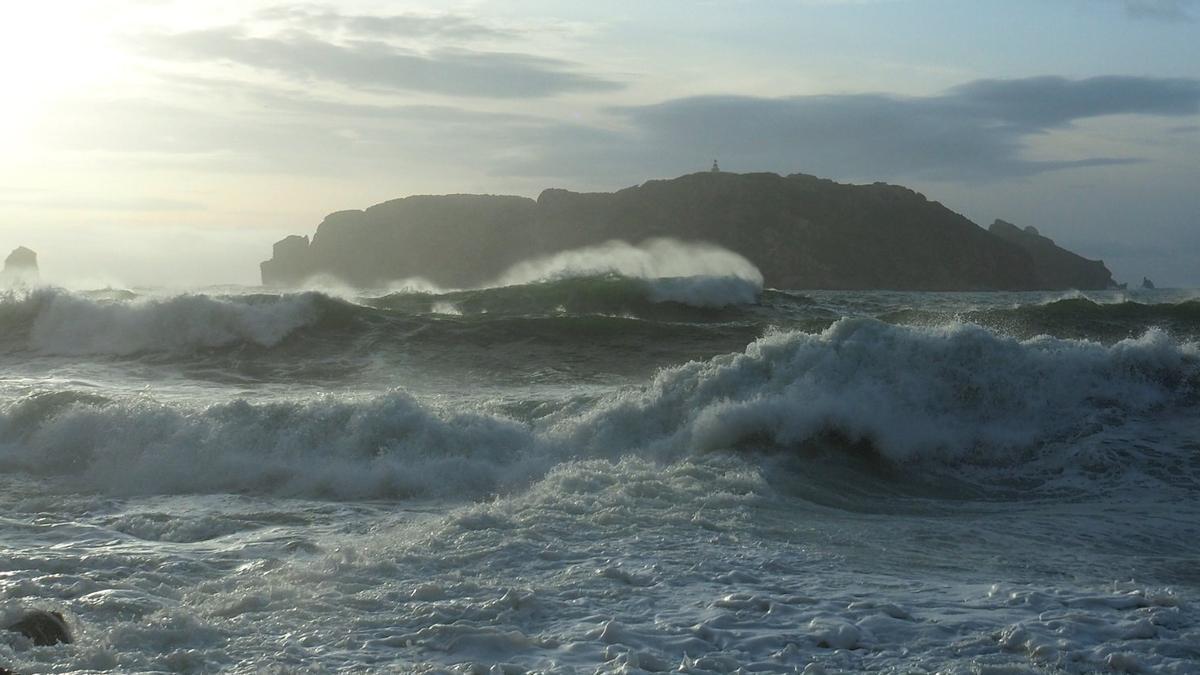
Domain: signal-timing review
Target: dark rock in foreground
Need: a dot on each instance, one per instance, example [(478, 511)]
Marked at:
[(801, 231), (44, 628)]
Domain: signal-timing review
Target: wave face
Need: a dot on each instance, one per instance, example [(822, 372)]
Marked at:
[(699, 298), (385, 446), (918, 400), (63, 323), (574, 330)]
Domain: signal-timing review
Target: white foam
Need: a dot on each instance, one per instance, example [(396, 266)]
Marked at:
[(447, 308)]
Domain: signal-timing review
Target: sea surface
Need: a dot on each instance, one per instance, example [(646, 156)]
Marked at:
[(601, 473)]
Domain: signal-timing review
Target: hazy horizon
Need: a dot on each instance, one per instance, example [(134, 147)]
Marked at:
[(157, 143)]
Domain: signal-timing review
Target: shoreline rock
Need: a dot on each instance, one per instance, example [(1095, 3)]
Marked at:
[(44, 628)]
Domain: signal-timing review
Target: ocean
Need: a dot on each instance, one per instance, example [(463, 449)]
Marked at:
[(601, 474)]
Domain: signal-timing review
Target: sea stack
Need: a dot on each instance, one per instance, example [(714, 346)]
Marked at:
[(20, 267)]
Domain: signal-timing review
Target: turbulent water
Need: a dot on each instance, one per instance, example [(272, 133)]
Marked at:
[(602, 474)]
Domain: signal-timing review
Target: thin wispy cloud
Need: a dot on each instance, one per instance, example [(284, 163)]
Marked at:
[(322, 18), (977, 131), (1039, 103), (1166, 10), (974, 132), (378, 65)]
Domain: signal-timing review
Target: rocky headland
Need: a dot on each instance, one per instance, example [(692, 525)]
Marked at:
[(803, 232), (1054, 267)]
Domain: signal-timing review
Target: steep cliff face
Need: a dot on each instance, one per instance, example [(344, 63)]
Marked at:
[(451, 240), (801, 231), (1054, 267)]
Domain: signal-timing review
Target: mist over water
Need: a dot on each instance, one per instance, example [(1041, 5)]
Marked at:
[(618, 459)]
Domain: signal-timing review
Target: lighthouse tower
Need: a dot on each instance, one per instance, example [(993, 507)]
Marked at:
[(715, 168)]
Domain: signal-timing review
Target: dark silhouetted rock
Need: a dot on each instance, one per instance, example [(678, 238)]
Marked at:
[(43, 627), (1054, 267), (1146, 283), (452, 240), (20, 266), (289, 261), (801, 231)]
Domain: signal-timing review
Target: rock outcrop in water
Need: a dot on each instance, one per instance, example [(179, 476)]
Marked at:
[(20, 267), (801, 231), (1054, 267), (42, 627)]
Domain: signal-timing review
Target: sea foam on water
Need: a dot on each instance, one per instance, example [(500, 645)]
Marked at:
[(248, 482)]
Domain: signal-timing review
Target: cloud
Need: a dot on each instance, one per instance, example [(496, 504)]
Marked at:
[(977, 131), (442, 26), (1039, 103), (371, 64), (1165, 10)]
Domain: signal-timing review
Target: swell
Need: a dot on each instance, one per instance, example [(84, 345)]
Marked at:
[(1079, 318), (678, 299), (60, 323), (899, 404)]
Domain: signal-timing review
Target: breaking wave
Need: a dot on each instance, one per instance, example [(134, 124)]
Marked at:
[(351, 449), (950, 397), (957, 394), (53, 321), (653, 259), (64, 323)]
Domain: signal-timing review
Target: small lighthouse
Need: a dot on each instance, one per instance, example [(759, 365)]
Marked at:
[(715, 168)]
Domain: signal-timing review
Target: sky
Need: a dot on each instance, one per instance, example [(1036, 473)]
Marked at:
[(162, 142)]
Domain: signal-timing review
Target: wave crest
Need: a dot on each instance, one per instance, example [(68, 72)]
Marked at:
[(943, 397), (65, 323), (952, 393), (387, 446)]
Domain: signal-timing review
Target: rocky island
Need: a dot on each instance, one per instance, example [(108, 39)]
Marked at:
[(20, 267), (803, 232)]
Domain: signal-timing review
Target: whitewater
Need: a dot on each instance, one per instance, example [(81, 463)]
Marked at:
[(630, 468)]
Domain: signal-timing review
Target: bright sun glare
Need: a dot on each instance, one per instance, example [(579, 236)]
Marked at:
[(47, 54)]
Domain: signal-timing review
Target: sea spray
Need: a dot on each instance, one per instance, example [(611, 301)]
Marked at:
[(655, 259)]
